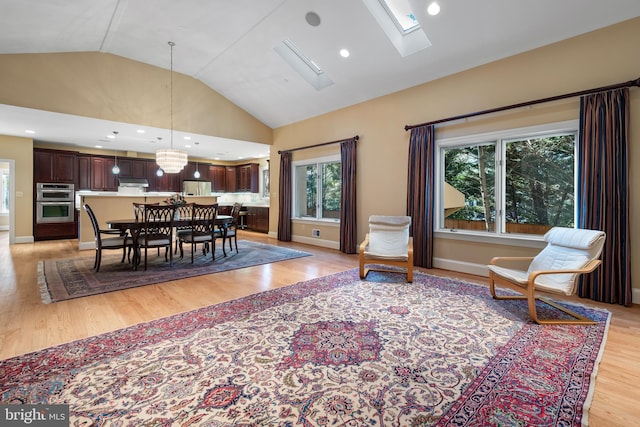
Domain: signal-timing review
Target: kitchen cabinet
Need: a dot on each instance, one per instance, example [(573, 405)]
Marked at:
[(231, 183), (132, 168), (84, 172), (102, 178), (54, 166), (217, 176), (56, 230), (248, 178), (169, 182), (257, 218), (187, 174)]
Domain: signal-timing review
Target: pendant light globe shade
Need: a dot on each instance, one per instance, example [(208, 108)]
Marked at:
[(171, 160), (115, 169)]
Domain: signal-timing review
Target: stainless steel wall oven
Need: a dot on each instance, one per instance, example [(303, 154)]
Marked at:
[(54, 203)]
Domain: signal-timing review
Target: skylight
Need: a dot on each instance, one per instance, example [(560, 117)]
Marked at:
[(305, 66), (400, 25), (401, 14)]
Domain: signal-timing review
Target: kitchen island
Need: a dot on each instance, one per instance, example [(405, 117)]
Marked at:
[(112, 205)]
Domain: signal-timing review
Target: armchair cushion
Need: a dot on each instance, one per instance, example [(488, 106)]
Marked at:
[(388, 236)]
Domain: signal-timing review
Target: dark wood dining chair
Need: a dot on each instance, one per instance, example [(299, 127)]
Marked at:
[(116, 241), (157, 231), (202, 230), (183, 211), (138, 214), (232, 228)]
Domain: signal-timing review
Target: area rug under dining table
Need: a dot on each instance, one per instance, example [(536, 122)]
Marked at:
[(333, 351), (62, 279)]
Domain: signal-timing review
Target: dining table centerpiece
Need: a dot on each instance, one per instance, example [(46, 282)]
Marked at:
[(176, 200)]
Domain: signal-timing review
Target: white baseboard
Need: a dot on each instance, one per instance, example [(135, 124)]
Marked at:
[(314, 241), (84, 246), (25, 239), (4, 228), (462, 267)]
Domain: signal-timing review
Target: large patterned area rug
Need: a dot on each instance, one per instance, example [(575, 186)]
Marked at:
[(62, 279), (333, 351)]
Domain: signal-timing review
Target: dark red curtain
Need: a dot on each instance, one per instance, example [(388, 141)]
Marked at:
[(603, 192), (420, 196), (348, 224), (284, 198)]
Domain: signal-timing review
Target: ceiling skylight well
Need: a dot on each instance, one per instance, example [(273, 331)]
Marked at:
[(400, 25), (305, 66), (400, 12)]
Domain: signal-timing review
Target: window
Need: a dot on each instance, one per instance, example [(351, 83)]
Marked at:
[(316, 187), (4, 190), (519, 181)]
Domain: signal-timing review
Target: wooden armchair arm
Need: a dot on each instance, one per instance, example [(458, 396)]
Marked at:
[(495, 260), (365, 242), (592, 265)]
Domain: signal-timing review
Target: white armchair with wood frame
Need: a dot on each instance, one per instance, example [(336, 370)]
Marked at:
[(387, 243), (569, 253)]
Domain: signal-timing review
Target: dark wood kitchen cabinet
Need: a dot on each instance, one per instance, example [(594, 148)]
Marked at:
[(257, 218), (102, 178), (217, 176), (187, 174), (55, 166), (248, 178), (169, 182), (84, 172), (132, 168), (231, 183)]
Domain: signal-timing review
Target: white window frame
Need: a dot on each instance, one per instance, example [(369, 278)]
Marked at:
[(3, 173), (500, 138), (294, 189)]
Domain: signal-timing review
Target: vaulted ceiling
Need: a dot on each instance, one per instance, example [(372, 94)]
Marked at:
[(230, 45)]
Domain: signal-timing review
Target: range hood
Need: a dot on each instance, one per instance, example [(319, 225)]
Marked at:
[(134, 182)]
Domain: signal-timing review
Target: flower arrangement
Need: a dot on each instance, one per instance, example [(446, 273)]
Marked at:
[(176, 200)]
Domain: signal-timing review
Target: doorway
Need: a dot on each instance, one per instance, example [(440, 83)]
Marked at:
[(7, 202)]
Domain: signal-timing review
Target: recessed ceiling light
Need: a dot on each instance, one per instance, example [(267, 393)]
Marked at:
[(98, 146), (30, 131), (344, 53), (140, 131), (433, 9), (187, 137)]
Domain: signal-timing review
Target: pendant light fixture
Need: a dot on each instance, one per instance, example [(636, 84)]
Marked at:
[(115, 169), (196, 174), (171, 160)]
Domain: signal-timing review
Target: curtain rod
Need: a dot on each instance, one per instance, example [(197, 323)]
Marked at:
[(318, 145), (630, 83)]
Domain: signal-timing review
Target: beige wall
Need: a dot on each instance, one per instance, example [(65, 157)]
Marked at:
[(21, 151), (110, 87), (600, 58)]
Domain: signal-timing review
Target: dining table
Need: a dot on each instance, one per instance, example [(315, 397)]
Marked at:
[(133, 226)]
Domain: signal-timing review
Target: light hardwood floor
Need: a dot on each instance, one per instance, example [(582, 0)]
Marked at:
[(27, 325)]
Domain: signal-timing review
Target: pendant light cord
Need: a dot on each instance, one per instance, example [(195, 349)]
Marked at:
[(172, 44)]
